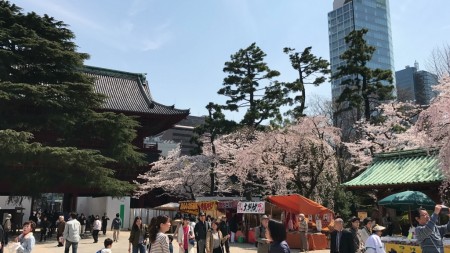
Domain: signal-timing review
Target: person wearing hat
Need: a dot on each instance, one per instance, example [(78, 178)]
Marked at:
[(366, 230), (358, 244), (185, 236), (200, 230), (341, 239), (260, 234), (7, 227), (373, 243), (428, 233), (303, 229), (225, 229)]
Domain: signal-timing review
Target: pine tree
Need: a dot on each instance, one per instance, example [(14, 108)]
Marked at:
[(308, 66), (244, 88), (49, 125), (365, 88)]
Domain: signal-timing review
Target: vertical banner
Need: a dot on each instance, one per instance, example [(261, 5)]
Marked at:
[(251, 207)]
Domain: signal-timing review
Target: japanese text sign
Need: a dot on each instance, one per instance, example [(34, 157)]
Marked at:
[(251, 207)]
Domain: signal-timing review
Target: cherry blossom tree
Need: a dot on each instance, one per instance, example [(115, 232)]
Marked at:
[(180, 176), (435, 122), (393, 129), (298, 158)]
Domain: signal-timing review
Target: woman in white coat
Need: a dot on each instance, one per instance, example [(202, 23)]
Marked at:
[(373, 243), (186, 236)]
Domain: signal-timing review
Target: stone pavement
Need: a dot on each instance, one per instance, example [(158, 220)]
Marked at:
[(87, 245)]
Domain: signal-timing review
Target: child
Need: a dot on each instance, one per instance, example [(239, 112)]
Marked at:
[(108, 245), (170, 243)]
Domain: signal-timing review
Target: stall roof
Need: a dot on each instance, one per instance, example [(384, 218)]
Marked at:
[(168, 207), (399, 168), (298, 204)]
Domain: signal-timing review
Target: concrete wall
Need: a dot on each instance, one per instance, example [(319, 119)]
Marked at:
[(108, 205), (6, 208)]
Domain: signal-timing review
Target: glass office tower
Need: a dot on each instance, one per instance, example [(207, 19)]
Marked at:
[(349, 15)]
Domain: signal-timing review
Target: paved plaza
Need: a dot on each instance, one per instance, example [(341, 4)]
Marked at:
[(87, 245)]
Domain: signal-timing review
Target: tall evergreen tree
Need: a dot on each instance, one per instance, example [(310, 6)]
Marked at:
[(364, 87), (244, 88), (49, 125), (307, 65)]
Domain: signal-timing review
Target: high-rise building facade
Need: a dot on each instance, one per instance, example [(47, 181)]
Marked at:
[(349, 15), (414, 85)]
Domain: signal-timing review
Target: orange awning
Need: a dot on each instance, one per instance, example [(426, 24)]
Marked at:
[(298, 204)]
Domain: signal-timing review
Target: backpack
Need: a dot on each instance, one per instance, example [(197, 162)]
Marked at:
[(256, 242)]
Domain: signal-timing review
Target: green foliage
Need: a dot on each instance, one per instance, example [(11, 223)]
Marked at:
[(308, 66), (246, 70), (364, 88), (343, 201), (31, 168), (44, 96), (36, 49), (214, 126)]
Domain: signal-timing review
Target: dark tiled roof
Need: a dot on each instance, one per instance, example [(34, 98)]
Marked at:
[(127, 92), (400, 168)]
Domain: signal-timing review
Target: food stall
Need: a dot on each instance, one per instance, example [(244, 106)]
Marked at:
[(194, 207), (318, 219), (405, 245), (248, 208)]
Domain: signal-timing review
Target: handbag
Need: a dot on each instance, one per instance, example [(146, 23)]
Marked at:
[(192, 242)]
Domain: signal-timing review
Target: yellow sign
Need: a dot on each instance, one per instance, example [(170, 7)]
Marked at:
[(194, 208)]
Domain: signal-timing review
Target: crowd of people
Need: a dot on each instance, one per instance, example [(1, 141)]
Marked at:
[(68, 233), (214, 235)]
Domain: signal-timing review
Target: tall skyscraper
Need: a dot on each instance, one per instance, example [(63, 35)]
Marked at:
[(414, 85), (349, 15)]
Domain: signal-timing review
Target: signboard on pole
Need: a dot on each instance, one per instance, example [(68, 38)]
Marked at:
[(251, 207)]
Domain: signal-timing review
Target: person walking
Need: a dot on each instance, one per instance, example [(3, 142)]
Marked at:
[(366, 230), (373, 243), (60, 230), (341, 240), (159, 241), (138, 236), (96, 226), (303, 230), (185, 236), (428, 234), (7, 227), (72, 233), (105, 220), (233, 228), (263, 244), (225, 229), (82, 220), (200, 230), (214, 238), (276, 234), (358, 245), (26, 240), (45, 228), (116, 224), (2, 238)]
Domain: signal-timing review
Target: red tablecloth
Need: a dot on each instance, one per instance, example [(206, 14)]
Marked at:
[(315, 241)]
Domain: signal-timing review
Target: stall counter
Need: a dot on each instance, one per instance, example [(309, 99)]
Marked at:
[(317, 241), (404, 245)]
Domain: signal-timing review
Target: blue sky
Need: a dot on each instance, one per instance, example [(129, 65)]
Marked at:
[(182, 45)]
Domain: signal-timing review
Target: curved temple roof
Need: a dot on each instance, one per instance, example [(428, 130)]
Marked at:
[(128, 92)]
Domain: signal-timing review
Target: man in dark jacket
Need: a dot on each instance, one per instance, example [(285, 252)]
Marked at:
[(341, 240), (358, 245), (200, 230), (2, 239), (225, 229)]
